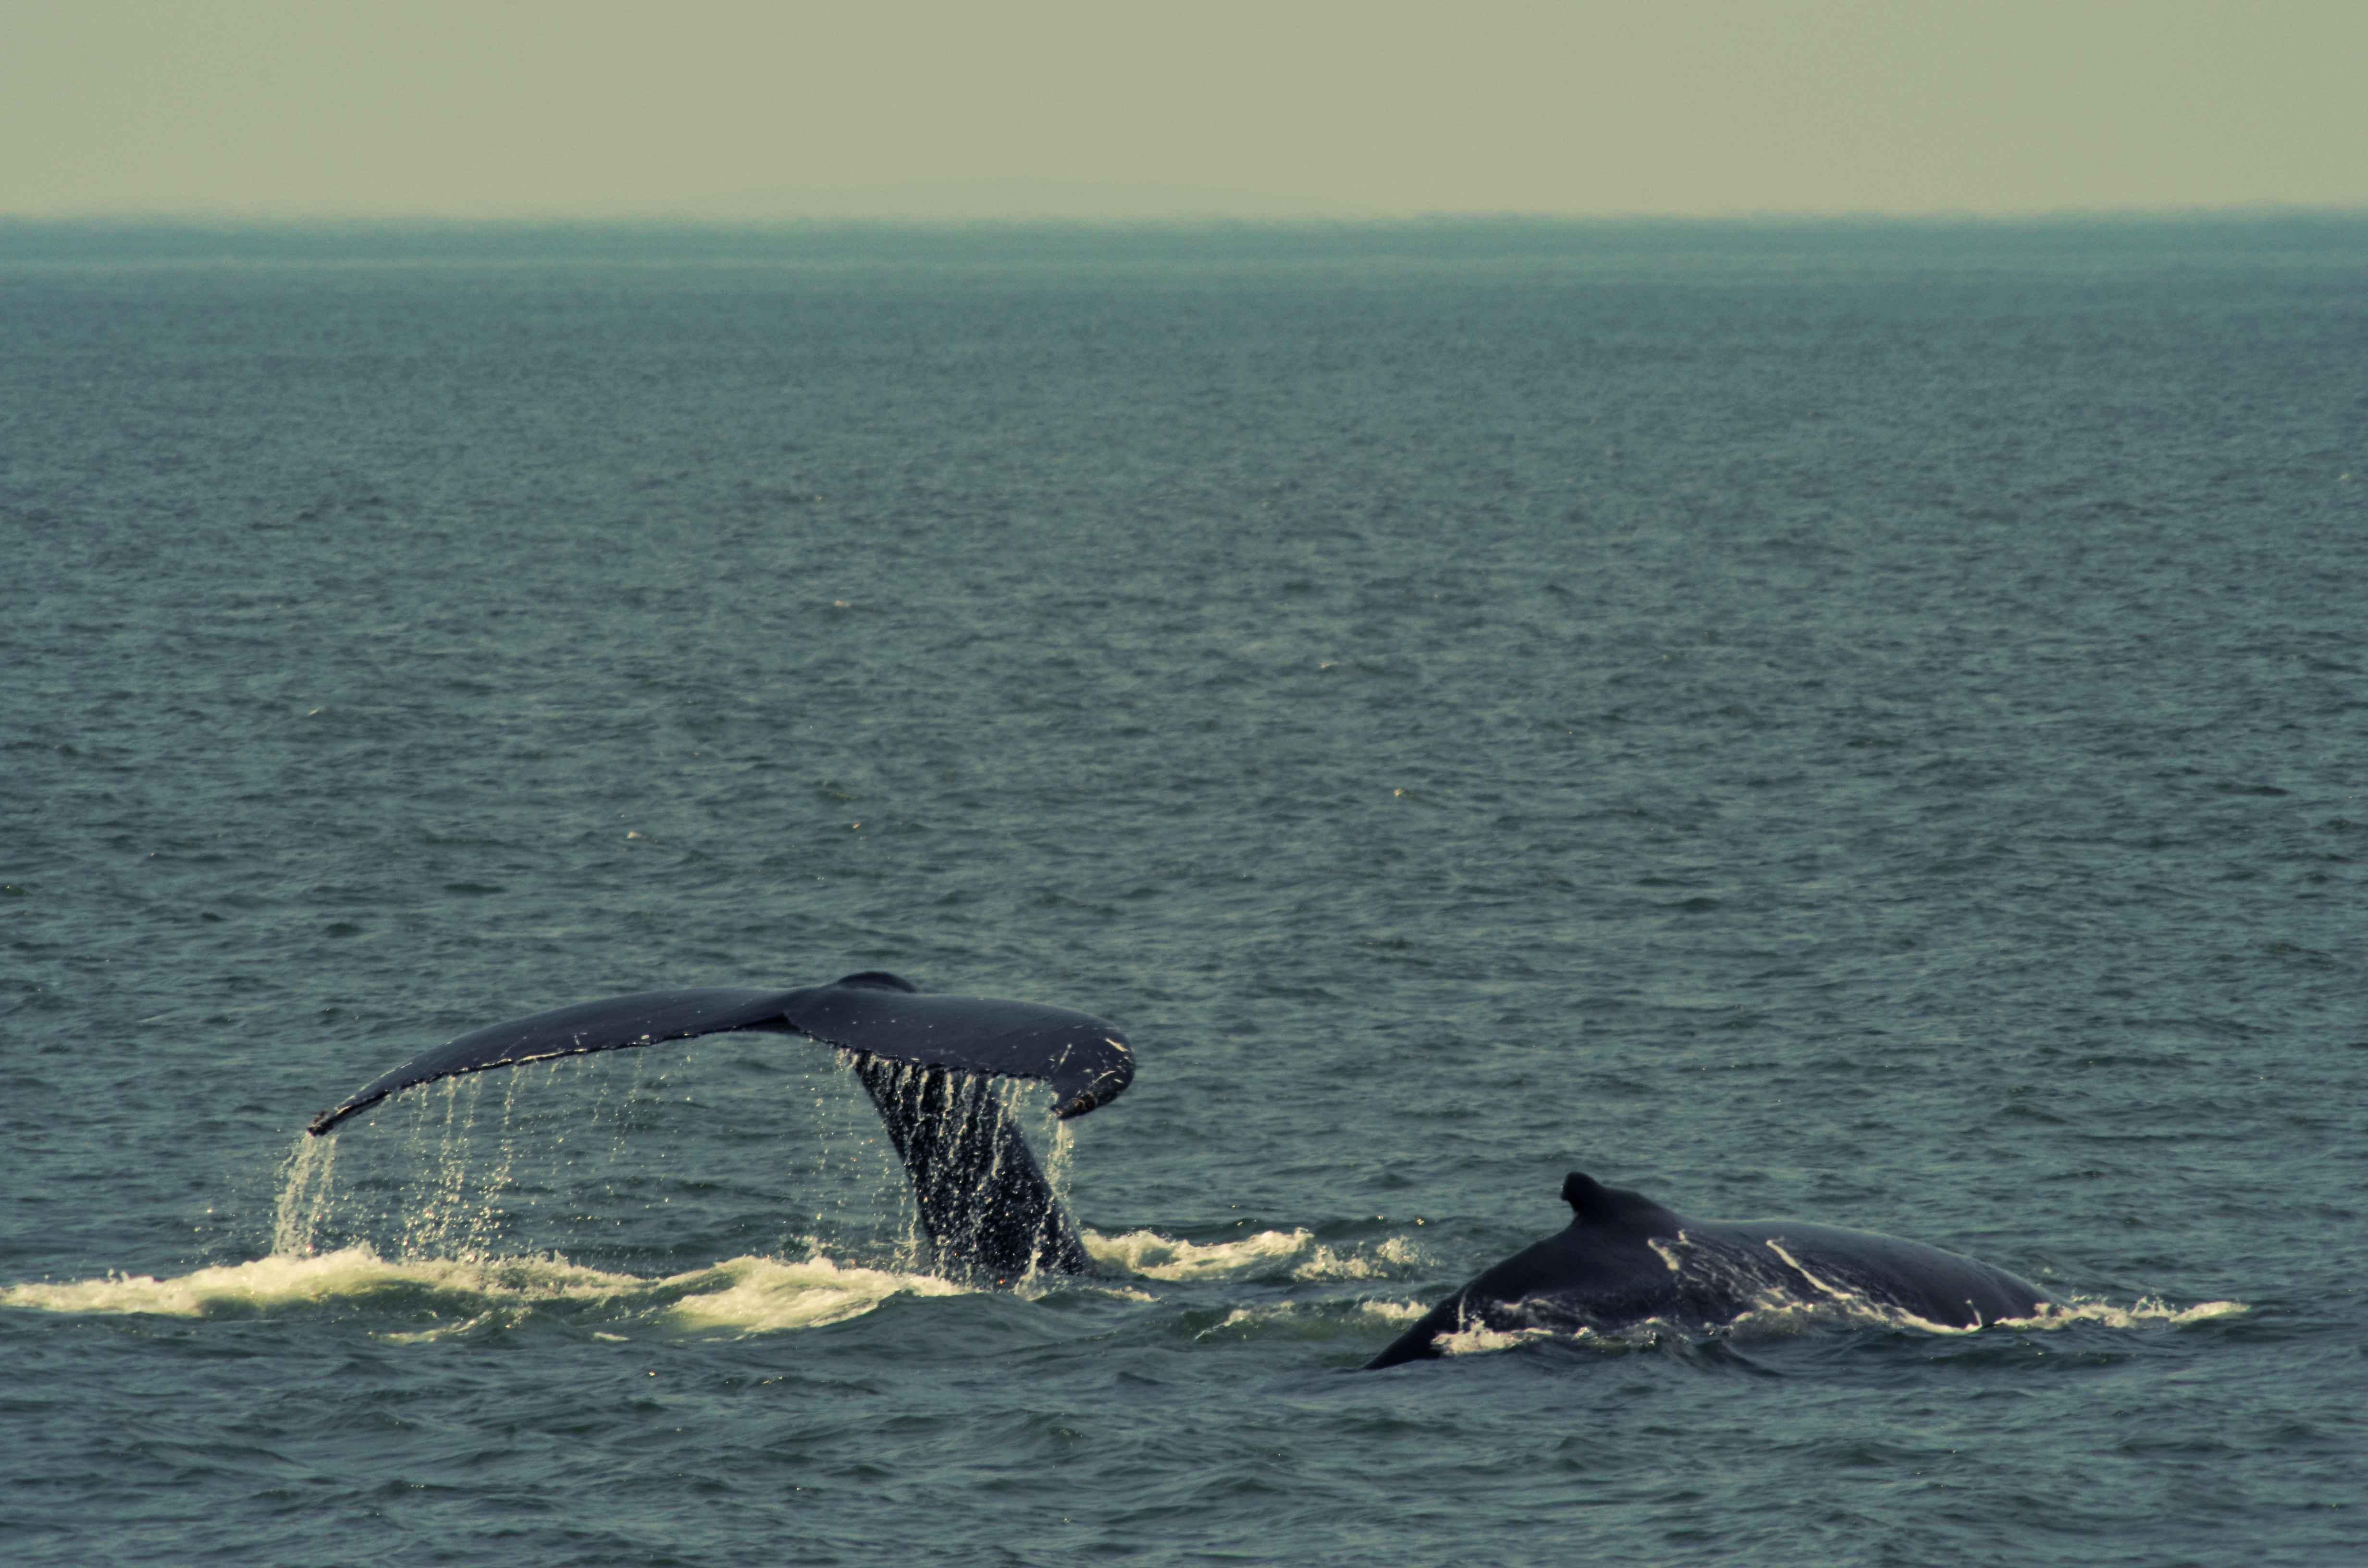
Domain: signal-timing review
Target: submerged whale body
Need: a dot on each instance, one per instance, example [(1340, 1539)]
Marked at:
[(1625, 1259), (925, 1059)]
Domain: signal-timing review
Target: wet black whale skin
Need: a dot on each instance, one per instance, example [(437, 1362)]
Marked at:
[(923, 1058), (1624, 1259), (1085, 1059)]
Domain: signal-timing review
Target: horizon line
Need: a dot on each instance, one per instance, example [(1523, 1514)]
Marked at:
[(1281, 219)]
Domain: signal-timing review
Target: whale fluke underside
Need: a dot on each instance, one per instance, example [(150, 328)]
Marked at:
[(924, 1059), (1085, 1061)]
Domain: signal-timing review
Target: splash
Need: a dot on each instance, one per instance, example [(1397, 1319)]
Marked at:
[(983, 1197), (1060, 1143), (461, 1210), (307, 1181), (461, 1204), (598, 1152)]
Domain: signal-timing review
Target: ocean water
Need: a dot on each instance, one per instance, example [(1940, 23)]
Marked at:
[(1860, 723)]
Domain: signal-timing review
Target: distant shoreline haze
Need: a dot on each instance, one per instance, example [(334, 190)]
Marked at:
[(2331, 236)]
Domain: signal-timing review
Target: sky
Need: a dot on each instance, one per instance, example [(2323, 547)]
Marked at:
[(732, 109)]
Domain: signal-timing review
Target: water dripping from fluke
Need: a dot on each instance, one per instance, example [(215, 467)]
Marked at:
[(947, 1076)]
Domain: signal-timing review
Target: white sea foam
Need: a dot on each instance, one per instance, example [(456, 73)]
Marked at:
[(1154, 1256), (1394, 1312), (1397, 1255), (1478, 1341), (764, 1295), (756, 1295), (348, 1274), (1243, 1317), (1304, 1319), (1774, 1313), (2144, 1313), (1294, 1252)]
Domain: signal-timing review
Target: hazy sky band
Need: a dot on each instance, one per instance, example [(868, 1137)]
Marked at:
[(727, 110)]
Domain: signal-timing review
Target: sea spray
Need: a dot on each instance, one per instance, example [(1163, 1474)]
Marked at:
[(1060, 1156), (850, 1166), (586, 1157), (437, 1224), (307, 1186)]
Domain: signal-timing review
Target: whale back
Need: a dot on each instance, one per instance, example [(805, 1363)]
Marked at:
[(1625, 1259), (1600, 1270), (1863, 1268)]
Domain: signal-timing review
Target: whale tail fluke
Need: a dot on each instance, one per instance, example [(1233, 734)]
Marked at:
[(928, 1062)]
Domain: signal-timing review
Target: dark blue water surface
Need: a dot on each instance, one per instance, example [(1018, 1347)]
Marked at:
[(1867, 723)]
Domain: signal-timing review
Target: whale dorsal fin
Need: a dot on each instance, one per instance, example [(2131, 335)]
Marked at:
[(1588, 1198), (1592, 1203)]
